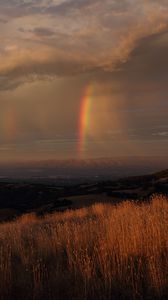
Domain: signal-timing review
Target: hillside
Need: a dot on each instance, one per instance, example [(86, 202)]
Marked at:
[(102, 252), (21, 197)]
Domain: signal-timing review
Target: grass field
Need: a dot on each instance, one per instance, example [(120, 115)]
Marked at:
[(99, 252)]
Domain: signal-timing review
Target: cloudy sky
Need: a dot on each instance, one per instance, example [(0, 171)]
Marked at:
[(52, 50)]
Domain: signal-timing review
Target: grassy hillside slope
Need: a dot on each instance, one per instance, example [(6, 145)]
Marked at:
[(99, 252)]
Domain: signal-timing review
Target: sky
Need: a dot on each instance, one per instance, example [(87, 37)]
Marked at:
[(83, 79)]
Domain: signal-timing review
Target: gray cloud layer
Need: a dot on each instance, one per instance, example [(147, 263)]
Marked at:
[(63, 38)]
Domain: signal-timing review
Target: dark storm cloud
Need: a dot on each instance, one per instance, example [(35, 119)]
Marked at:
[(7, 84), (150, 59), (43, 31), (38, 31), (21, 74), (144, 72), (147, 67)]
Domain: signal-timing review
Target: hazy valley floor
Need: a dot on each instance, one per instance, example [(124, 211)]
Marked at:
[(99, 252)]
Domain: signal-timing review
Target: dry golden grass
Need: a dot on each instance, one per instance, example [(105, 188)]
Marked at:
[(100, 252)]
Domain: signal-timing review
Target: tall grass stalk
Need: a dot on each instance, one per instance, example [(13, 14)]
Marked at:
[(100, 252)]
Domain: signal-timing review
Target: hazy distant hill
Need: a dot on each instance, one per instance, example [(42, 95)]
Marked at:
[(95, 169)]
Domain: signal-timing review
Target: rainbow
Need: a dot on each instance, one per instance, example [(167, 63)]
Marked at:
[(85, 118)]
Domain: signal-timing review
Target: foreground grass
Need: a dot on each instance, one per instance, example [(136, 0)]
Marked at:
[(101, 252)]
